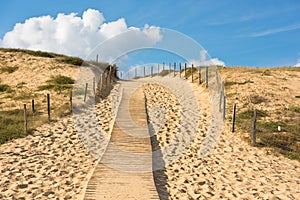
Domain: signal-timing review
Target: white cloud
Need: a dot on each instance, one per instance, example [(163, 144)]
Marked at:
[(205, 60), (273, 31), (74, 35)]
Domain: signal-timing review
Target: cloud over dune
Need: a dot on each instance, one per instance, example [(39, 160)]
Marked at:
[(72, 34)]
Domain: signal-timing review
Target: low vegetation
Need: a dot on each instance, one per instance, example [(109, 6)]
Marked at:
[(8, 69), (285, 141), (62, 58), (58, 83), (5, 88)]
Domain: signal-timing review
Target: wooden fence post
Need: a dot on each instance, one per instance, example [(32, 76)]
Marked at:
[(184, 70), (199, 76), (206, 74), (151, 71), (157, 69), (71, 101), (97, 58), (179, 70), (85, 92), (192, 73), (25, 119), (94, 85), (32, 106), (174, 68), (233, 118), (254, 129), (48, 106)]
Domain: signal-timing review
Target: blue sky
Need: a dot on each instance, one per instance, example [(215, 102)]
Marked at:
[(238, 32)]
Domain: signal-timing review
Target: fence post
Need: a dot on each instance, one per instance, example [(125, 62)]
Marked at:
[(144, 71), (184, 70), (48, 106), (94, 85), (32, 106), (151, 71), (25, 119), (71, 103), (233, 118), (254, 129), (224, 107), (179, 70), (199, 75), (206, 74), (174, 68), (192, 73), (157, 69), (85, 92), (97, 58)]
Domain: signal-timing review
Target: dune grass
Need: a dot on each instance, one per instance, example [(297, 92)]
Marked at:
[(58, 83), (8, 69), (286, 141)]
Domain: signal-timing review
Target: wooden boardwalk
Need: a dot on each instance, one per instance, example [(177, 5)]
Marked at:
[(125, 170)]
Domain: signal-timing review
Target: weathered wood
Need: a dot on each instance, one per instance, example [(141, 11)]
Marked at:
[(169, 69), (135, 72), (25, 119), (184, 70), (94, 85), (174, 68), (151, 71), (32, 106), (233, 118), (254, 129), (125, 170), (192, 73), (71, 101), (48, 107), (85, 92), (199, 76), (179, 70)]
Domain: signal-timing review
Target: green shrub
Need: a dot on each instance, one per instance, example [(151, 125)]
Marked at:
[(58, 83), (71, 60), (5, 88), (294, 108), (8, 69)]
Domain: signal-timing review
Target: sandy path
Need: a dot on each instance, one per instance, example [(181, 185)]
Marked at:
[(125, 170), (53, 163), (233, 170)]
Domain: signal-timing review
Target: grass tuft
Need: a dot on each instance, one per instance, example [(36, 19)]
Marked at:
[(8, 69), (58, 83), (5, 88)]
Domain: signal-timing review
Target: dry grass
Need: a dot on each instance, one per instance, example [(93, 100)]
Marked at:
[(34, 74), (274, 93)]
